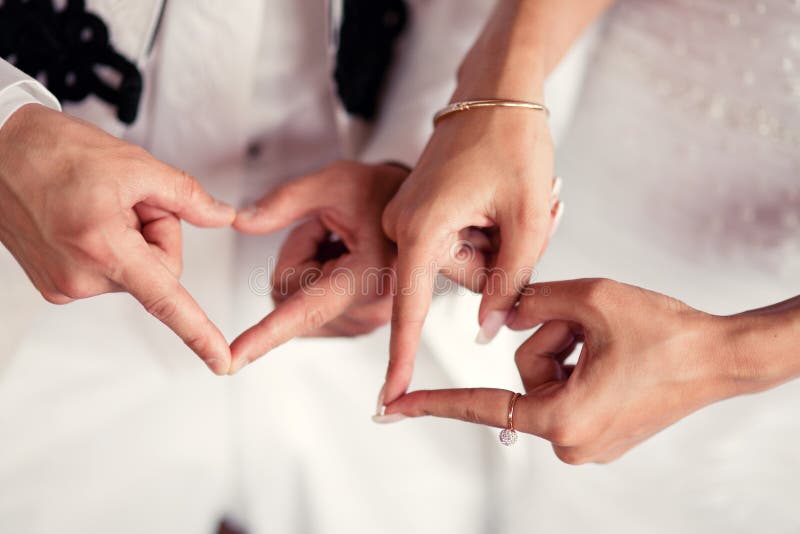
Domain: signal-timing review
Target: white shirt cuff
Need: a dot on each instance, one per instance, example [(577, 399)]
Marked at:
[(17, 89)]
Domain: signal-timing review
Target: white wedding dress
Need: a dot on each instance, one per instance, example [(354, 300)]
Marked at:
[(682, 174)]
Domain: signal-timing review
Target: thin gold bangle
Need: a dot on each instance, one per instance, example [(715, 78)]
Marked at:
[(466, 105)]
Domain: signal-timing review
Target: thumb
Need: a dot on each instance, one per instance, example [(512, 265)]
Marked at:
[(180, 193), (570, 300), (284, 205)]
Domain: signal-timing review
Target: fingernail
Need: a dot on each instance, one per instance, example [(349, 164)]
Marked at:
[(559, 213), (386, 419), (556, 191), (380, 408), (223, 205), (491, 326), (237, 366), (511, 316), (248, 213), (223, 209), (214, 365)]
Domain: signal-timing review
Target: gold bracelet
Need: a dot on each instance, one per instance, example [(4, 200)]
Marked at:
[(456, 107)]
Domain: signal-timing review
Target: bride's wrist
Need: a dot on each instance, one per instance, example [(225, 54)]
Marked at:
[(484, 80), (761, 349), (497, 128)]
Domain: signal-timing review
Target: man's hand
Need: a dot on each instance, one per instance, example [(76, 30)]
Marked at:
[(85, 213), (334, 275)]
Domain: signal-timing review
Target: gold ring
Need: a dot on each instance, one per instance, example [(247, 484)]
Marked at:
[(508, 436)]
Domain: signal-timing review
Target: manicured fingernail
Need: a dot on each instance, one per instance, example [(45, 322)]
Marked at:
[(556, 191), (237, 366), (511, 316), (386, 419), (559, 213), (380, 408), (491, 326)]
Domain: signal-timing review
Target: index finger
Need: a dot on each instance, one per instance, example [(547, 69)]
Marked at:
[(151, 283), (306, 310), (483, 406), (412, 300), (287, 203)]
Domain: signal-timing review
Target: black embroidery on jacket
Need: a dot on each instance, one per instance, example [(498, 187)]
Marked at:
[(366, 44), (65, 50)]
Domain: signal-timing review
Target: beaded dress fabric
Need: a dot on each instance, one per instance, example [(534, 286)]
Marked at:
[(694, 111)]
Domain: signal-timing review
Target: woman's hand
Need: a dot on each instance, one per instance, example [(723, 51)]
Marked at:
[(490, 169), (334, 275), (85, 213), (647, 361)]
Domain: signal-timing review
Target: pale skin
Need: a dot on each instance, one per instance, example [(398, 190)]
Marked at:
[(82, 226), (350, 293), (125, 234), (487, 168), (646, 361)]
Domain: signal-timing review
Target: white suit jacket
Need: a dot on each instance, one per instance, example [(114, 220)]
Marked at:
[(196, 125), (194, 115)]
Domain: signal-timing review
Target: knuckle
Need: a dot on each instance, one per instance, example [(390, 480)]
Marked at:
[(389, 220), (94, 247), (137, 159), (287, 194), (529, 216), (424, 404), (314, 319), (164, 308), (568, 428), (186, 187), (560, 433), (134, 152), (570, 455), (597, 291), (470, 413), (54, 297), (73, 286), (414, 223), (404, 320), (520, 356)]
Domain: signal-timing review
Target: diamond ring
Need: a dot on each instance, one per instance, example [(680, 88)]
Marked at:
[(508, 436)]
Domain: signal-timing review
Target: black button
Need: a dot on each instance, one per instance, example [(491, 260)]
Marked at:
[(254, 150)]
